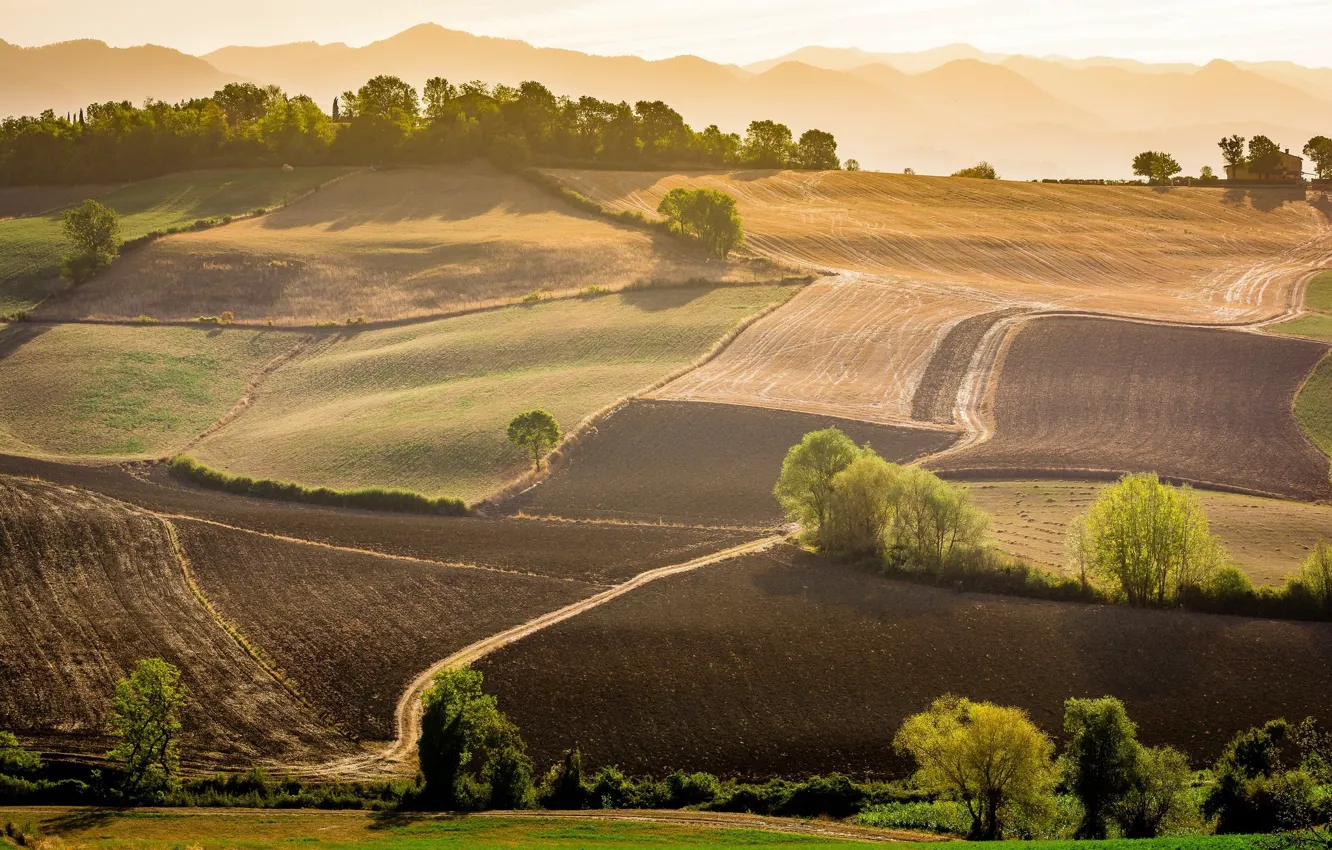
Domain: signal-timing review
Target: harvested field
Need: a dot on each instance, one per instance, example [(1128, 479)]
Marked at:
[(390, 245), (785, 664), (425, 406), (1201, 254), (935, 398), (90, 390), (20, 201), (89, 586), (1202, 405), (31, 248), (605, 553), (1267, 538), (351, 630), (713, 464), (847, 346)]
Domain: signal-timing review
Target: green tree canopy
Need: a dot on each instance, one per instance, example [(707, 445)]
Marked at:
[(768, 145), (1158, 793), (1157, 166), (708, 214), (1264, 157), (1319, 152), (537, 431), (14, 759), (145, 717), (863, 506), (805, 485), (1315, 576), (986, 756), (981, 170), (936, 520), (94, 231), (817, 151), (1099, 759), (1232, 150), (1148, 540)]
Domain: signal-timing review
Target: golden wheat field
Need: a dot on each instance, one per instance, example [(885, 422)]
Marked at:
[(425, 406), (1267, 538), (914, 256), (390, 245)]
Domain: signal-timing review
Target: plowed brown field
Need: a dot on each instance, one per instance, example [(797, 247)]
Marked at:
[(388, 245), (712, 464), (353, 630), (1202, 405), (782, 663), (89, 586)]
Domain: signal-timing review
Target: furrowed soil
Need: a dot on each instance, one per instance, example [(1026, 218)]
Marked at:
[(91, 390), (604, 553), (31, 248), (426, 406), (1267, 538), (783, 663), (1202, 405), (351, 630), (389, 245), (688, 462), (88, 586)]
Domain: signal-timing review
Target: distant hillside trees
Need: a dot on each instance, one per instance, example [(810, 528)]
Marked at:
[(981, 170), (384, 121), (94, 230), (708, 214), (1157, 166)]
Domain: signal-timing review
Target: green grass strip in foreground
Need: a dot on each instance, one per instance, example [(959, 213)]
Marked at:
[(1318, 295), (371, 498), (1313, 406)]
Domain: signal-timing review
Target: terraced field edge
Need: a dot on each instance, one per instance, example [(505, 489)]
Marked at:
[(369, 498)]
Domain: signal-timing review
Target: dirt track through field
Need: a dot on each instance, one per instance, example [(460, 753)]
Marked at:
[(398, 757)]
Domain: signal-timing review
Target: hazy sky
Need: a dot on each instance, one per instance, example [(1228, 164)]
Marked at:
[(723, 30)]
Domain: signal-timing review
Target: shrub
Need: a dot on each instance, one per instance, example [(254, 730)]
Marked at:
[(209, 320), (94, 231), (981, 170), (562, 788), (226, 318), (144, 319), (708, 214)]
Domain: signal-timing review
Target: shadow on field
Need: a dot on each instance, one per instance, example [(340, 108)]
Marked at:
[(16, 335), (397, 818), (665, 298), (80, 820)]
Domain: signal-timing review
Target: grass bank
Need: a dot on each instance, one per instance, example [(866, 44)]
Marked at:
[(368, 498)]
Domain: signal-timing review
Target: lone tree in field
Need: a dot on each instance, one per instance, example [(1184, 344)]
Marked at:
[(471, 755), (981, 171), (708, 214), (1149, 540), (537, 431), (987, 757), (1099, 760), (1157, 166), (94, 231), (805, 486), (145, 716)]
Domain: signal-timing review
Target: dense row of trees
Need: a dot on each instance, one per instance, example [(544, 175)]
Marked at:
[(385, 120)]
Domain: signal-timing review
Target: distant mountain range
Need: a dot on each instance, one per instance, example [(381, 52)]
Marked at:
[(935, 110)]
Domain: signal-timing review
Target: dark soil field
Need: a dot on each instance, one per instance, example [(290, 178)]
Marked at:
[(88, 587), (694, 462), (601, 553), (783, 663), (351, 630), (16, 201), (1208, 406), (936, 394)]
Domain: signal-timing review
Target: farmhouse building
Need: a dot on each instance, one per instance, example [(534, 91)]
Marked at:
[(1289, 169)]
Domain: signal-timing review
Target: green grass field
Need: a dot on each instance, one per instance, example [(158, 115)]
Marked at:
[(1313, 406), (31, 248), (425, 406), (1316, 324), (96, 390), (247, 828)]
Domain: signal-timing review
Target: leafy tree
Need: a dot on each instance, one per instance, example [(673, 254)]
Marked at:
[(709, 214), (805, 486), (1157, 166), (563, 786), (767, 145), (1319, 152), (145, 716), (336, 115), (94, 231), (1264, 157), (852, 165), (537, 431), (1207, 175), (662, 129), (817, 151), (242, 102), (1316, 575), (981, 170), (1256, 789), (987, 757), (1232, 150), (1099, 759), (862, 506), (441, 100), (936, 520), (1150, 540), (14, 759), (1158, 793)]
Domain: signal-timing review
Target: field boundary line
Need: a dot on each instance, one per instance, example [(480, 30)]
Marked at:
[(407, 715), (233, 630), (457, 565)]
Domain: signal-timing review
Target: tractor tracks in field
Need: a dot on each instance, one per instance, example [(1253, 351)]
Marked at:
[(398, 756)]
